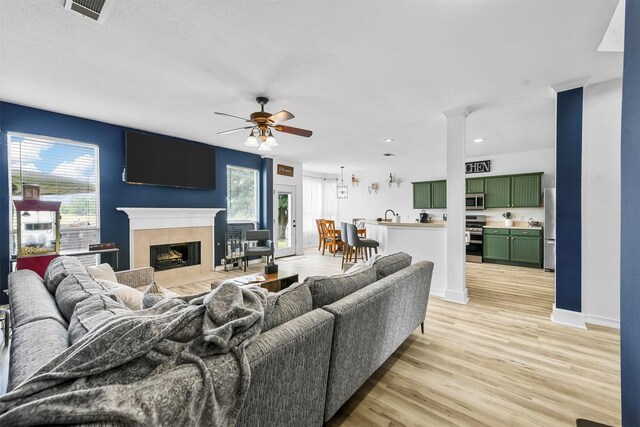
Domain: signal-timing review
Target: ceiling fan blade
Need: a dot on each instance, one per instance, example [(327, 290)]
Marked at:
[(231, 115), (224, 132), (294, 131), (281, 116)]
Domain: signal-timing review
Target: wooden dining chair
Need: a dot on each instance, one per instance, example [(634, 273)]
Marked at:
[(320, 235), (331, 238)]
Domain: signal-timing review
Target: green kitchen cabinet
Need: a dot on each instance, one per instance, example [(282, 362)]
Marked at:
[(496, 247), (497, 192), (526, 191), (439, 194), (475, 185), (513, 246), (421, 195)]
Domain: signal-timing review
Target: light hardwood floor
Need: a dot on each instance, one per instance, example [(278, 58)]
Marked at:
[(496, 361)]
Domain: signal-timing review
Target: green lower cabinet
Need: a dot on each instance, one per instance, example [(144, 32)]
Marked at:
[(495, 247), (439, 194), (513, 246)]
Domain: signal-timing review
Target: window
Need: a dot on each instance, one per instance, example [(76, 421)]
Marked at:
[(66, 171), (242, 194), (319, 202)]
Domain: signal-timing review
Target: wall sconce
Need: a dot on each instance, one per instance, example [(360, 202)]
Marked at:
[(355, 182), (393, 180), (373, 187)]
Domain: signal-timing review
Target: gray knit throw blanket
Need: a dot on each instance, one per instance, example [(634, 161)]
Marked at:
[(181, 362)]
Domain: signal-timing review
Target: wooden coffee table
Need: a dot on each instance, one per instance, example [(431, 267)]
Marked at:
[(273, 282)]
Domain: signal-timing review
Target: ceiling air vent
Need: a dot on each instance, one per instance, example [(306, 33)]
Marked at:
[(94, 9), (388, 154)]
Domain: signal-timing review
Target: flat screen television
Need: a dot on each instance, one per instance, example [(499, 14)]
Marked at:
[(157, 160)]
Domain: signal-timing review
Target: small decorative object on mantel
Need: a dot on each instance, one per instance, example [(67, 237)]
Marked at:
[(101, 246), (508, 221), (30, 192), (373, 187), (355, 182), (393, 180), (271, 268)]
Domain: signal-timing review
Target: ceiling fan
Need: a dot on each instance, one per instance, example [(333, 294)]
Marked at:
[(262, 124)]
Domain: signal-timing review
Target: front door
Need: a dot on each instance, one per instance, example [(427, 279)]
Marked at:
[(284, 220)]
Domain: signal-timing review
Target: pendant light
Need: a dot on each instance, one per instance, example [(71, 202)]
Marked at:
[(342, 190)]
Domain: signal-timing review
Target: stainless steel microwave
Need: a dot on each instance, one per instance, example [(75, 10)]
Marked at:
[(475, 201)]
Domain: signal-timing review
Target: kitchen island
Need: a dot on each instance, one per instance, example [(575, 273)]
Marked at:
[(423, 241)]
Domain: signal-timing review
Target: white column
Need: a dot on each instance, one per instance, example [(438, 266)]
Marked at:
[(456, 248)]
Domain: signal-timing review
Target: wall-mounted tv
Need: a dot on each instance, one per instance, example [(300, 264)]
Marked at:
[(157, 160)]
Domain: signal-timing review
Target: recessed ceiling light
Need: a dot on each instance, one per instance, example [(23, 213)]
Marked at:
[(478, 140), (388, 140), (389, 154)]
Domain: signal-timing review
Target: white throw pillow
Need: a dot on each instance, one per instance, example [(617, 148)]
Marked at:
[(129, 296), (103, 272)]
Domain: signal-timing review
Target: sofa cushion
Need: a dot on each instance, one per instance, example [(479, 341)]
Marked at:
[(32, 346), (58, 269), (131, 297), (327, 290), (91, 313), (389, 264), (74, 288), (154, 294), (102, 272), (286, 305), (31, 300)]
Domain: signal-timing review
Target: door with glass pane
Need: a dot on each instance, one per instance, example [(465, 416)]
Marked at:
[(284, 220)]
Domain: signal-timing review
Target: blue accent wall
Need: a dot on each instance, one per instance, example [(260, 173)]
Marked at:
[(569, 200), (630, 228), (113, 192)]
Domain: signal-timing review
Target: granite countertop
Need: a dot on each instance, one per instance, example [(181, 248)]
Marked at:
[(515, 227), (440, 224)]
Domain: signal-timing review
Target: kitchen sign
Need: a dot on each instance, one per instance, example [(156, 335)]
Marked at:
[(285, 170), (478, 167)]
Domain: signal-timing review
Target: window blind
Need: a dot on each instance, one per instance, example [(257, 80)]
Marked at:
[(66, 171)]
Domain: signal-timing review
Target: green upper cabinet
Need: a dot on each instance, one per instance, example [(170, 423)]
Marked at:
[(497, 192), (475, 185), (421, 195), (525, 191), (439, 194)]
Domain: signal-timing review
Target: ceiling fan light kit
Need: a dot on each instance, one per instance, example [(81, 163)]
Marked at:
[(262, 124)]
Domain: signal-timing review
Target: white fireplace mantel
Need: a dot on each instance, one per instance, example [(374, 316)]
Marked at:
[(151, 218), (160, 218)]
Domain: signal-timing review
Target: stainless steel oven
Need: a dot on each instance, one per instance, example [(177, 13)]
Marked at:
[(474, 201), (474, 224)]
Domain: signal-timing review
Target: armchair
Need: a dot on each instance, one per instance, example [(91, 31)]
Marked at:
[(264, 247)]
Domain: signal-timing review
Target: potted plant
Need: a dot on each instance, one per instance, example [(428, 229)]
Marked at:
[(508, 221)]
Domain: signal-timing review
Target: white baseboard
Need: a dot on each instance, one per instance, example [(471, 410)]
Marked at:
[(459, 297), (568, 318), (437, 292), (602, 321)]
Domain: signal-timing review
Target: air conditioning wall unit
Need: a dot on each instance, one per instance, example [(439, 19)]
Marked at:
[(94, 9)]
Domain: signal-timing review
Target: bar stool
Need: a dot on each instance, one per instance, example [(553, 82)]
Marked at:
[(360, 245)]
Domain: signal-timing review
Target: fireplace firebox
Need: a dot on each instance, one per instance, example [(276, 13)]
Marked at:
[(174, 255)]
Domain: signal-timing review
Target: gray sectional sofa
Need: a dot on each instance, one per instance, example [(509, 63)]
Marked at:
[(302, 371)]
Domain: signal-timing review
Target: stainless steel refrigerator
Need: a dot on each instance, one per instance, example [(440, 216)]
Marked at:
[(550, 229)]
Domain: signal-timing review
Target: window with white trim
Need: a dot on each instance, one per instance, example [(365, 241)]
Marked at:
[(66, 171), (242, 194)]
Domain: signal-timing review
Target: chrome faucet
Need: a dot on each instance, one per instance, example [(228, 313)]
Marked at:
[(387, 211)]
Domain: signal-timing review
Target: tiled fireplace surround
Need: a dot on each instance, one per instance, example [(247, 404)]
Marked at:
[(159, 226)]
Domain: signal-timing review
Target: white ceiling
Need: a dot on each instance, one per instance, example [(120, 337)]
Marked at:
[(354, 72)]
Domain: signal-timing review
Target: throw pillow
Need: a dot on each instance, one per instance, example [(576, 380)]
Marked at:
[(58, 269), (102, 272), (74, 288), (387, 265), (131, 297), (286, 305), (327, 290), (154, 294), (91, 313)]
